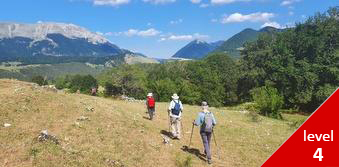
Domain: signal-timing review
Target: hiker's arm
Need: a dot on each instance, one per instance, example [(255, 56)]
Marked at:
[(170, 107), (214, 121), (198, 121)]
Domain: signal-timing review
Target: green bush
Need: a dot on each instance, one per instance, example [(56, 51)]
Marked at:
[(39, 80), (268, 101)]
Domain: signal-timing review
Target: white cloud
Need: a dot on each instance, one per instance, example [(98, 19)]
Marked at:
[(288, 2), (290, 13), (176, 21), (195, 1), (100, 33), (253, 17), (272, 24), (109, 34), (204, 5), (277, 25), (159, 1), (135, 32), (184, 37), (222, 2), (110, 2), (149, 32)]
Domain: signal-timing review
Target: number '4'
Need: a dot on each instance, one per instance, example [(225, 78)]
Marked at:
[(318, 154)]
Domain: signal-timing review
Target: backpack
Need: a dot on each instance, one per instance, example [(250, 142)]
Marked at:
[(151, 102), (176, 109), (208, 122)]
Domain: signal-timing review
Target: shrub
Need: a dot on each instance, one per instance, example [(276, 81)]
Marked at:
[(268, 101), (39, 80)]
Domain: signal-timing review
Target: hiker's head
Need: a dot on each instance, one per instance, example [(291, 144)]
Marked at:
[(149, 94), (204, 105), (175, 96)]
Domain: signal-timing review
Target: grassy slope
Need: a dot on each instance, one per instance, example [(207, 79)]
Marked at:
[(117, 130)]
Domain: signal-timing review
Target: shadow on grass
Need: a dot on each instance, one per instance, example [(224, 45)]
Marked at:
[(166, 133), (193, 151), (146, 118)]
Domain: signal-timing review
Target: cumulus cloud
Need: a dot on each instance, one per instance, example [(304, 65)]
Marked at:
[(176, 21), (110, 2), (221, 2), (184, 37), (159, 1), (253, 17), (195, 1)]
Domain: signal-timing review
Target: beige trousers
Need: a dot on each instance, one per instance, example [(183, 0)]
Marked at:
[(176, 127)]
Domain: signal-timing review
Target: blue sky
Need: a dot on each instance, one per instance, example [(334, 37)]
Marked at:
[(158, 28)]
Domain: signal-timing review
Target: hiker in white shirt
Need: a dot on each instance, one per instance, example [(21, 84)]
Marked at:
[(175, 111)]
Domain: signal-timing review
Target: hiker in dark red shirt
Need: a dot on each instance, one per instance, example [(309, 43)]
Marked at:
[(94, 91), (150, 104)]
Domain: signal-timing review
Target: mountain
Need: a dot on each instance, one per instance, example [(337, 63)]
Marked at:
[(196, 49), (234, 44), (50, 43)]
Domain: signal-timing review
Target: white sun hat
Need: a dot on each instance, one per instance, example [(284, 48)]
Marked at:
[(175, 96), (149, 94)]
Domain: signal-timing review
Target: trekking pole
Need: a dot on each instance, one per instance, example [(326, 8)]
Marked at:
[(191, 135), (182, 129), (169, 123), (215, 141)]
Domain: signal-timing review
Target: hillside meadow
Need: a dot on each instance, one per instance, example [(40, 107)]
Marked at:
[(118, 133)]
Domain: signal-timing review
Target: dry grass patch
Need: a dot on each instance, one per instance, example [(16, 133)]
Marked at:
[(118, 133)]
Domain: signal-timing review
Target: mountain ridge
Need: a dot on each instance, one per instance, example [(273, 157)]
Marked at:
[(52, 42), (232, 45)]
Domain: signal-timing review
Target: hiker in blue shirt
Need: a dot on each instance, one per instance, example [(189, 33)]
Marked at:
[(206, 121)]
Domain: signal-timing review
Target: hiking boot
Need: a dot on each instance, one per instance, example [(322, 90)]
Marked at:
[(209, 161)]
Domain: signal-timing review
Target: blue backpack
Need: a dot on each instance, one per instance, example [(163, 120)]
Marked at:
[(176, 109)]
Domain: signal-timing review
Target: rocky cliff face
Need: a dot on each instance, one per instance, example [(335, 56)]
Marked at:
[(40, 31)]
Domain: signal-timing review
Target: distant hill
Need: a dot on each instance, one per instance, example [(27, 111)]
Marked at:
[(196, 49), (234, 44), (52, 43)]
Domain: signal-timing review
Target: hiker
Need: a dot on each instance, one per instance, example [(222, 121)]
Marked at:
[(175, 110), (150, 104), (94, 91), (206, 121)]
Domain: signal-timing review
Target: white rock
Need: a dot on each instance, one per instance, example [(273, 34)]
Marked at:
[(7, 125)]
